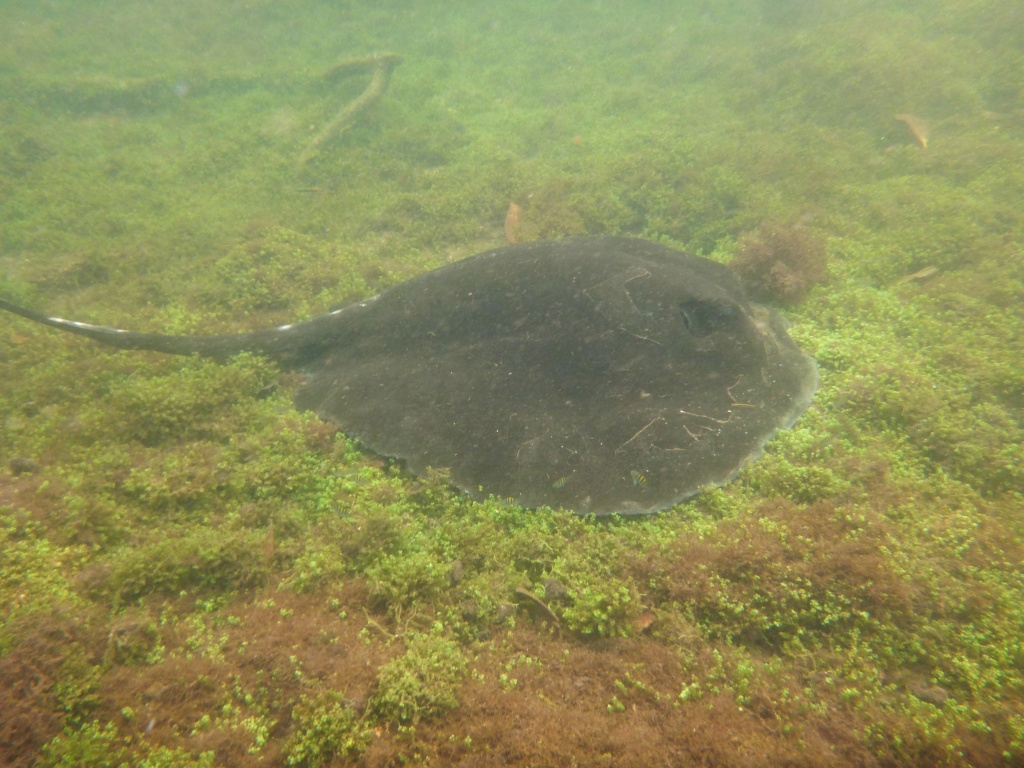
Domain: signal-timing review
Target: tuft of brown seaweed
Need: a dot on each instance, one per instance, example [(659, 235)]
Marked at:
[(780, 262)]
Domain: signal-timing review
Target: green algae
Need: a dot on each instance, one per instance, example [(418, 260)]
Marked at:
[(94, 746), (863, 574), (421, 683), (326, 729)]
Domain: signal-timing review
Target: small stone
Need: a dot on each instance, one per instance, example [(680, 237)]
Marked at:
[(554, 590), (469, 609), (455, 573), (22, 466), (930, 694)]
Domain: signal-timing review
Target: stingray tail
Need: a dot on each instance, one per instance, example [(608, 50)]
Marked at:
[(288, 344)]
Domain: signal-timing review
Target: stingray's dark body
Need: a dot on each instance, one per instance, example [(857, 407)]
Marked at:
[(599, 374)]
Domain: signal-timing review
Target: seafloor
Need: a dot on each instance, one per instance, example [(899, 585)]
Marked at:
[(193, 573)]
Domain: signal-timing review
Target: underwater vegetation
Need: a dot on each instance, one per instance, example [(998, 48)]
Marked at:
[(195, 573)]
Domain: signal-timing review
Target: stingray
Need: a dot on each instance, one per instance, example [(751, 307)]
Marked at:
[(604, 375)]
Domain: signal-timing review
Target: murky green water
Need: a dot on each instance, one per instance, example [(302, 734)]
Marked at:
[(193, 573)]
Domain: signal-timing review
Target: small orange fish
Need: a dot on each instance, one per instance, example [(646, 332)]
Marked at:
[(917, 126), (921, 274), (512, 223), (643, 622)]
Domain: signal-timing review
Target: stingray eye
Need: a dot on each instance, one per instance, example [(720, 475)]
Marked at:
[(702, 318)]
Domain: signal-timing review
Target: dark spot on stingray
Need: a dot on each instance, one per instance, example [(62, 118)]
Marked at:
[(703, 317), (600, 360)]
